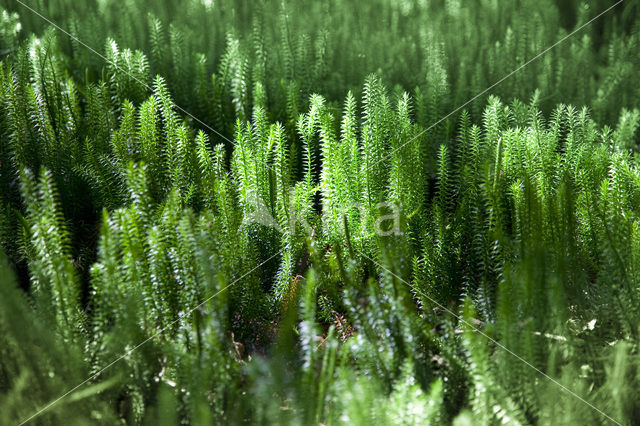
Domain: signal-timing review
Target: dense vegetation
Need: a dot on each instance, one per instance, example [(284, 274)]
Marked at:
[(276, 212)]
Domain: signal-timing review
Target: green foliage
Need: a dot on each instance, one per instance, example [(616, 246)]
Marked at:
[(37, 363), (317, 240)]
